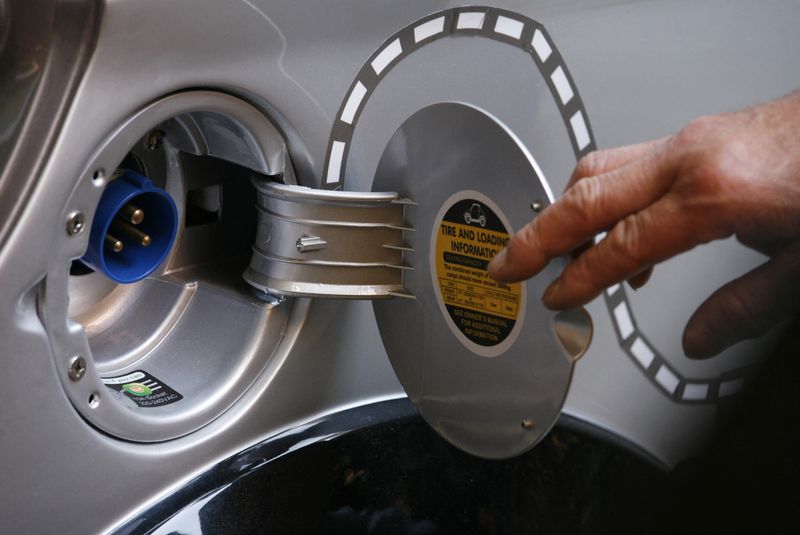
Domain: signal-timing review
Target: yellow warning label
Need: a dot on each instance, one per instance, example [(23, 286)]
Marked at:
[(470, 235)]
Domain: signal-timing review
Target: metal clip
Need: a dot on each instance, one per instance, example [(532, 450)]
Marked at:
[(306, 244)]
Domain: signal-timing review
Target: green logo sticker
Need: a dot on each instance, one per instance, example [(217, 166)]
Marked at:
[(137, 389), (143, 389)]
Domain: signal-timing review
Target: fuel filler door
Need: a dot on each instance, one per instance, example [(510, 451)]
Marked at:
[(487, 365)]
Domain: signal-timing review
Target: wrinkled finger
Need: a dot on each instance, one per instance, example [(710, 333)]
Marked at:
[(603, 161), (637, 281), (747, 307), (634, 244), (592, 205)]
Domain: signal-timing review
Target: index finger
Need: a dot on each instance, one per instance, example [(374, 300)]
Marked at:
[(590, 206)]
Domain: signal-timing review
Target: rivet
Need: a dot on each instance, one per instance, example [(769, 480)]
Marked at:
[(527, 424)]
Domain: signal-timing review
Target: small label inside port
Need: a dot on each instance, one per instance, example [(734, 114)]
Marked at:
[(144, 389)]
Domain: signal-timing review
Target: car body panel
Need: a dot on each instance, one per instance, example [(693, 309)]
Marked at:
[(643, 70)]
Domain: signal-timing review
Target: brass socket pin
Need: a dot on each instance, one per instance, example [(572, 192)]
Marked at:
[(113, 243), (129, 231), (132, 214)]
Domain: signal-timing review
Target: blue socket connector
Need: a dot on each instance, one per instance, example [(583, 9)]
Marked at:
[(133, 230)]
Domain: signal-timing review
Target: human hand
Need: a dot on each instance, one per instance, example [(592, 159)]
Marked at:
[(731, 174)]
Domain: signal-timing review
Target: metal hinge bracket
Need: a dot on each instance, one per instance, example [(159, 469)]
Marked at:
[(321, 243)]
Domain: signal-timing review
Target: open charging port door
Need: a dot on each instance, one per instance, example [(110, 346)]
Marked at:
[(156, 348), (487, 365)]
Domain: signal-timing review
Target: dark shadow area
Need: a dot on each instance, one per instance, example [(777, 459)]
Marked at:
[(748, 480), (407, 480), (401, 478)]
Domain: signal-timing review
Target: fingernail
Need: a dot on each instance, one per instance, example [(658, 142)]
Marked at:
[(637, 281), (698, 343), (550, 297), (497, 265)]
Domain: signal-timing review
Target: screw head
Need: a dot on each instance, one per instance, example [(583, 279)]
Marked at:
[(76, 222), (77, 368), (536, 206), (155, 140), (527, 424)]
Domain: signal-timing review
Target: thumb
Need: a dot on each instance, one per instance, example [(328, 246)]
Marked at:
[(746, 307)]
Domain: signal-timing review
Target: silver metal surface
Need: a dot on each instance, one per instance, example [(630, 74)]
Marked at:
[(45, 47), (316, 243), (473, 399), (574, 330)]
